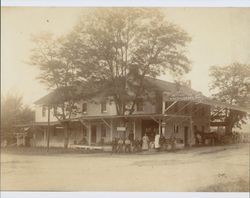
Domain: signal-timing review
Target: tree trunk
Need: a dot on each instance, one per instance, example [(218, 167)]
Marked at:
[(230, 124), (66, 135)]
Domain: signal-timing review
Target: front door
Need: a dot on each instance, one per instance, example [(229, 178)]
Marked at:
[(186, 136), (93, 134)]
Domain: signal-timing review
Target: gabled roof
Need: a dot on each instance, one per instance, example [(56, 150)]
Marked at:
[(169, 87), (153, 84), (64, 94)]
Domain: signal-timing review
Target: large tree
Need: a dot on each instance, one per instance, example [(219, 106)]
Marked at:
[(13, 112), (231, 84), (59, 75), (118, 47), (113, 50)]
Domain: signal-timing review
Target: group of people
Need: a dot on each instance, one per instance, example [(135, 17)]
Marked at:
[(126, 145), (129, 144)]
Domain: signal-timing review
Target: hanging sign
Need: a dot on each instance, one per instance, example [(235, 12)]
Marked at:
[(121, 128)]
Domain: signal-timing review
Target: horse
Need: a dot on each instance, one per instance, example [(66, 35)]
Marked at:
[(212, 136)]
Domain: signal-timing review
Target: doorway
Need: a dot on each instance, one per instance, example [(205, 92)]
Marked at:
[(186, 136), (150, 127), (93, 134)]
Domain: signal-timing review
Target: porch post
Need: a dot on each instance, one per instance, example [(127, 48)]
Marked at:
[(134, 128), (191, 130), (34, 136), (48, 131), (111, 130), (89, 130), (163, 126), (44, 135), (163, 106), (160, 126)]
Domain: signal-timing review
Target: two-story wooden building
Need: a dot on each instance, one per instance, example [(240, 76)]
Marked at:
[(176, 110)]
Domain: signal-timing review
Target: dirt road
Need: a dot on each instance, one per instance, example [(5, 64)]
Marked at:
[(196, 169)]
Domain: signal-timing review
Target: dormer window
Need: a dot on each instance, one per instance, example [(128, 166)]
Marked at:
[(84, 108), (104, 106)]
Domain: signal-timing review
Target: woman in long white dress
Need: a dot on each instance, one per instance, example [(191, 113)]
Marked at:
[(157, 141), (145, 141)]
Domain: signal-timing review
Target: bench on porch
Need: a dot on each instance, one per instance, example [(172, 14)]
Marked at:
[(86, 147)]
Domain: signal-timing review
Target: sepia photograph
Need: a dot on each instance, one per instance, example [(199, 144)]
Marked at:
[(125, 99)]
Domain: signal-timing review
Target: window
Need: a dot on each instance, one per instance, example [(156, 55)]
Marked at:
[(139, 105), (84, 108), (43, 111), (104, 106), (103, 130)]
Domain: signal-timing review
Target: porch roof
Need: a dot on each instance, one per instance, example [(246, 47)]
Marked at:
[(201, 99), (210, 102), (37, 124), (132, 116)]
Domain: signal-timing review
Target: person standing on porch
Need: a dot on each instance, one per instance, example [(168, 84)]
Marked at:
[(137, 145), (157, 141), (127, 145), (120, 145), (114, 145), (145, 141), (162, 142), (131, 136)]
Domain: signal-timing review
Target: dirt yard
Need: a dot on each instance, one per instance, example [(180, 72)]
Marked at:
[(220, 168)]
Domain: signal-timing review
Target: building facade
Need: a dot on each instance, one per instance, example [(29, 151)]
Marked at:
[(174, 111)]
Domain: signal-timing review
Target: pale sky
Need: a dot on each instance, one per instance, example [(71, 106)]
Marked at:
[(219, 36)]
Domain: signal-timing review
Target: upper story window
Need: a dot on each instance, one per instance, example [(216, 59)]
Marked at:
[(103, 106), (43, 111), (139, 105), (84, 108)]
